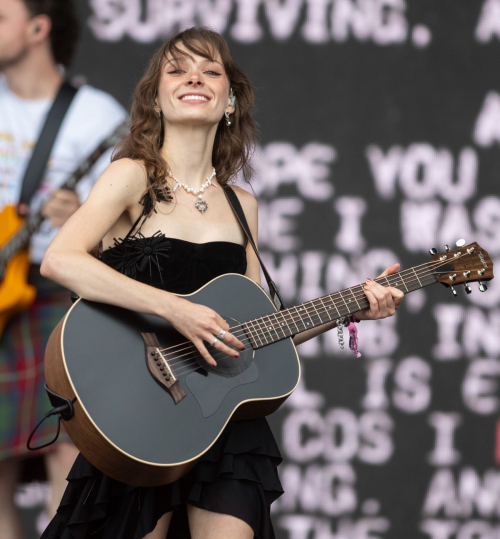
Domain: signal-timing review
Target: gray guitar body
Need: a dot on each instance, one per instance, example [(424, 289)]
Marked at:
[(126, 423)]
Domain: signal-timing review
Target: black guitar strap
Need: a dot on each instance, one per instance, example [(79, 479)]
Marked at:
[(240, 215), (41, 153)]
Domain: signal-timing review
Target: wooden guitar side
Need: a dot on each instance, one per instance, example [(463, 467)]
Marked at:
[(90, 440)]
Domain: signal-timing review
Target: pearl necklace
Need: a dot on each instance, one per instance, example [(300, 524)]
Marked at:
[(201, 204)]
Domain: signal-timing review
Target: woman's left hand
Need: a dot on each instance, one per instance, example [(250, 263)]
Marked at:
[(384, 300), (61, 206)]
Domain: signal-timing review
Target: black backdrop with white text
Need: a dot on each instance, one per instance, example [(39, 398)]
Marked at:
[(380, 124)]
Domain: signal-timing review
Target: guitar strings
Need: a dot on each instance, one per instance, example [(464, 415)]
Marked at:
[(191, 361), (193, 351), (314, 312), (361, 296)]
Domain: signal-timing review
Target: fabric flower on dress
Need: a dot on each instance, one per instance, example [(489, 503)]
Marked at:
[(135, 254), (160, 197)]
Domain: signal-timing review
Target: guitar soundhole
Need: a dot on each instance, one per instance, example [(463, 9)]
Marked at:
[(229, 366)]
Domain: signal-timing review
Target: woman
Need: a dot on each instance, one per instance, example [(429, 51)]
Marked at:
[(191, 112)]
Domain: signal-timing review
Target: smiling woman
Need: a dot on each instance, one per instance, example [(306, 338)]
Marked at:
[(192, 132), (199, 64)]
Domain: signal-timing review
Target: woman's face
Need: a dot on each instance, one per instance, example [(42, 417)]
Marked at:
[(193, 90)]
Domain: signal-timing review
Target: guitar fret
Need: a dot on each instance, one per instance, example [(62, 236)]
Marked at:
[(263, 328), (284, 323), (419, 282), (314, 307), (355, 298), (403, 281), (300, 318), (280, 324), (293, 320), (347, 307), (260, 332), (255, 333), (324, 307), (272, 328), (335, 305), (310, 323)]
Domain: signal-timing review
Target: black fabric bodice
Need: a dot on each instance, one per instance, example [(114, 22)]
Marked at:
[(172, 264)]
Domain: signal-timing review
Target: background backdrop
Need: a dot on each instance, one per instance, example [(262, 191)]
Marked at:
[(380, 126)]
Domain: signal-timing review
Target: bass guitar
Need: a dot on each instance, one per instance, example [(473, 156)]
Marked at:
[(15, 233), (147, 405)]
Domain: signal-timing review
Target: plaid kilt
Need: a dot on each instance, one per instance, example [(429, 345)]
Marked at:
[(23, 401)]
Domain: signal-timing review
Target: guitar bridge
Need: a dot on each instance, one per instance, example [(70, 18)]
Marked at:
[(159, 367)]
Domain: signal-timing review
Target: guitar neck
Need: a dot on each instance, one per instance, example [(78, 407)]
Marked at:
[(21, 238), (288, 322)]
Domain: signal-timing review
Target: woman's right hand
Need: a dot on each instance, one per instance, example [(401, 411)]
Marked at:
[(202, 325)]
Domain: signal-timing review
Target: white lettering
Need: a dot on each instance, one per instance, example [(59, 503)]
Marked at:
[(412, 380), (480, 387), (488, 25), (349, 237), (445, 424)]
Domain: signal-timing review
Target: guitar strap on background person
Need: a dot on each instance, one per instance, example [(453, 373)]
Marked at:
[(41, 153), (240, 215)]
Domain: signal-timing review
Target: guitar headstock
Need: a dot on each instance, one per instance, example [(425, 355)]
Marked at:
[(466, 264)]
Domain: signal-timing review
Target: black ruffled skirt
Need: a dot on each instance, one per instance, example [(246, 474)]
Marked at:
[(236, 476)]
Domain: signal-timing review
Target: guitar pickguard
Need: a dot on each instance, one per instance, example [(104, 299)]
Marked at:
[(210, 390)]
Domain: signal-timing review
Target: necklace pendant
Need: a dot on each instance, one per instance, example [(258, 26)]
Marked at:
[(201, 205)]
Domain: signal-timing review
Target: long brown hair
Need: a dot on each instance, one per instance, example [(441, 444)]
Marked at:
[(233, 144)]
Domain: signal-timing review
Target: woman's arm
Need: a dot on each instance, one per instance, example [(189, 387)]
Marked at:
[(68, 262), (384, 300)]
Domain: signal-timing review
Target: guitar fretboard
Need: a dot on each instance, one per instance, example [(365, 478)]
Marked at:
[(288, 322)]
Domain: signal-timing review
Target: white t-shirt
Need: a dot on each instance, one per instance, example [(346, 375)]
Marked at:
[(92, 116)]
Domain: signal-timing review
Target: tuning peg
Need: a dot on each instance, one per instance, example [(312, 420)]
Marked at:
[(453, 291), (433, 251), (482, 286), (446, 248), (460, 243), (468, 289)]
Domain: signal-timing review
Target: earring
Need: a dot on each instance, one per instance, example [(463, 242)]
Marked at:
[(158, 113), (228, 121)]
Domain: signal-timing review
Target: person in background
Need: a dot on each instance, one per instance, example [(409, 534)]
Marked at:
[(37, 42)]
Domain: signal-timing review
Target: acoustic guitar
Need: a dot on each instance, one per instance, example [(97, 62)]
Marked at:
[(147, 405), (15, 233)]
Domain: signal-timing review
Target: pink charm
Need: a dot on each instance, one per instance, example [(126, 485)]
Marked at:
[(353, 338)]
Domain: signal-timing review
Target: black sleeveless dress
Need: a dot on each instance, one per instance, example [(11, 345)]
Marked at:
[(236, 476)]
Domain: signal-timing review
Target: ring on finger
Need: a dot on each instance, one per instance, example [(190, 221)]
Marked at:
[(215, 340), (221, 334)]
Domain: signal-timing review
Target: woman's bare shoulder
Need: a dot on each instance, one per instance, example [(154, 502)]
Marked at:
[(124, 178), (247, 200)]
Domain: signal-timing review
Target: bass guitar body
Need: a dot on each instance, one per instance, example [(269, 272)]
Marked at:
[(15, 292), (146, 404)]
